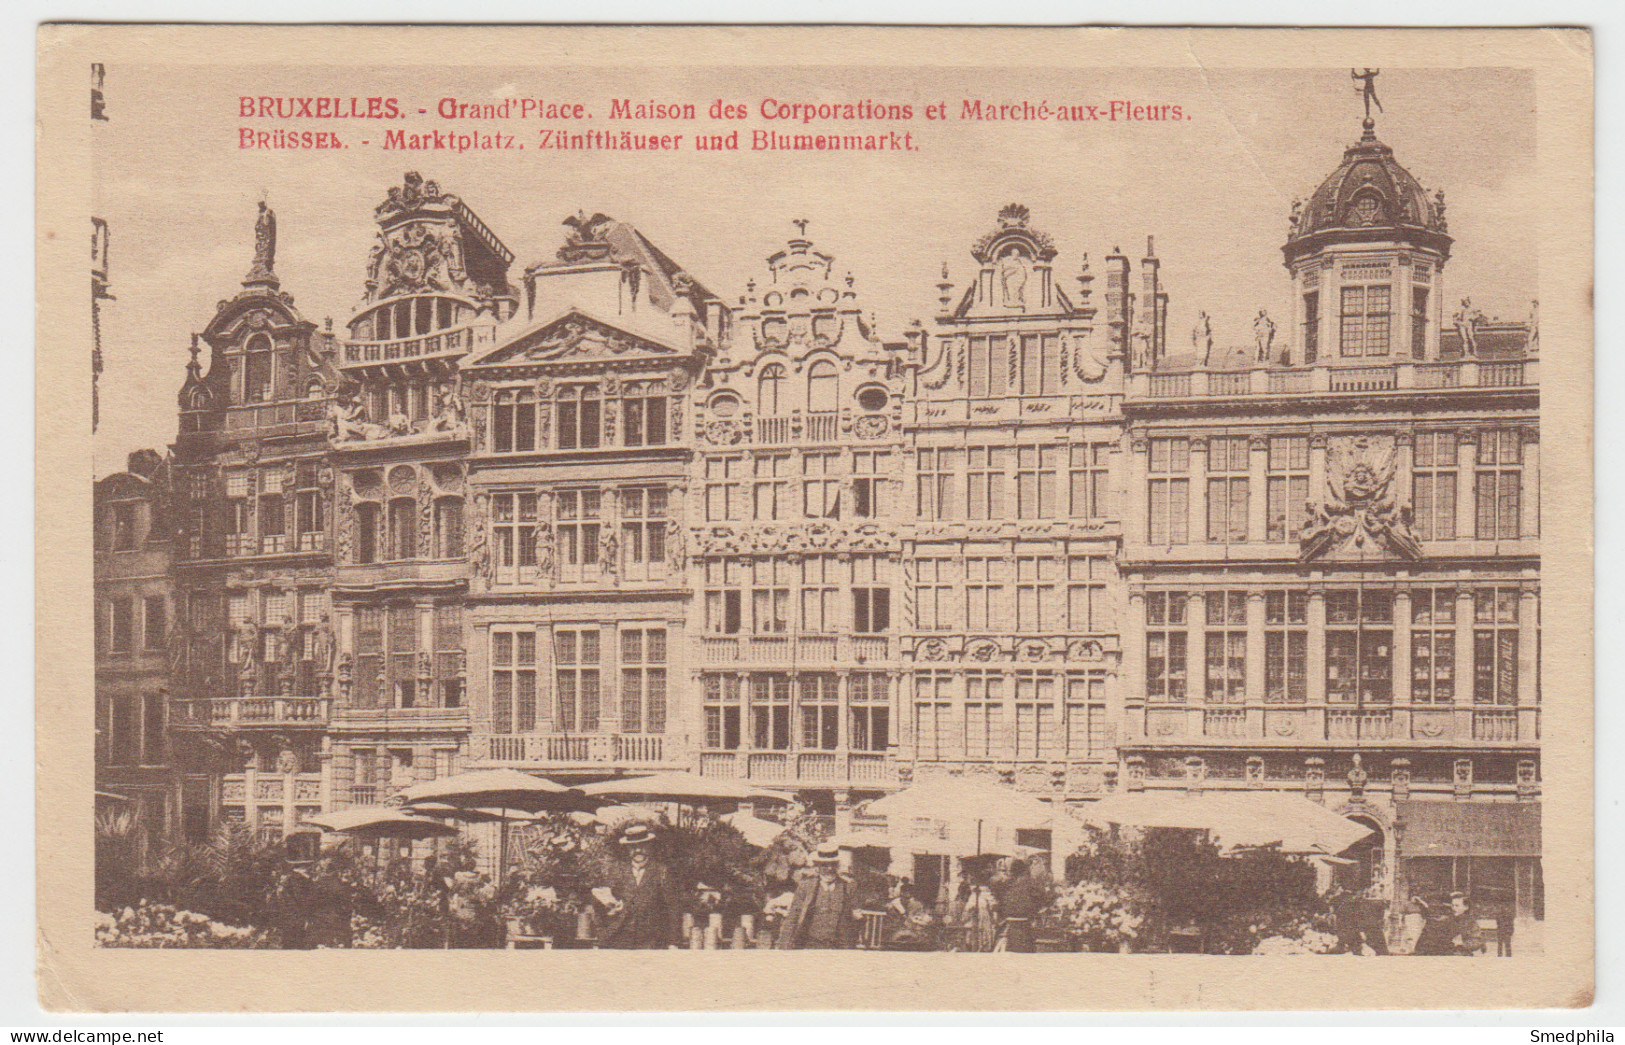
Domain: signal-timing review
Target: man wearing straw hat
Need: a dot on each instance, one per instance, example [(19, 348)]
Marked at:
[(646, 912), (821, 915)]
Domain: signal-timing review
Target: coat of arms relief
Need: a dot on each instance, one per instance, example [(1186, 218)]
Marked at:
[(1361, 513)]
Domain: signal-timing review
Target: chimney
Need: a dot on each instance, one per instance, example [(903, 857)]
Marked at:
[(1152, 297), (1119, 302)]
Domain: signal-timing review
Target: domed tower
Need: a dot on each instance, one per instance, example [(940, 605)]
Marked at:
[(1367, 254)]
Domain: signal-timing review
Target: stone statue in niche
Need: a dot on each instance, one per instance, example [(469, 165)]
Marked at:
[(1013, 277), (1360, 510), (1264, 335)]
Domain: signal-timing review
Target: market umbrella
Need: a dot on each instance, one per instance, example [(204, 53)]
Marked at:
[(501, 789), (951, 801), (758, 832), (470, 814), (382, 822), (681, 787), (1244, 819)]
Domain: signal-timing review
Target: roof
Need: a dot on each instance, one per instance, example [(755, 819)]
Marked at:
[(1469, 828), (1369, 194)]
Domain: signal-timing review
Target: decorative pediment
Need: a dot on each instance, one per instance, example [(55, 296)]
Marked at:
[(575, 337)]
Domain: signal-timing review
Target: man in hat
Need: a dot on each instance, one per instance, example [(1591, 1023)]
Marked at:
[(647, 912), (821, 915), (1452, 933), (1020, 902)]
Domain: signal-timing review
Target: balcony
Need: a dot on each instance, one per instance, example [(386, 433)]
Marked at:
[(802, 768), (1383, 377), (579, 751), (273, 792), (249, 712), (1497, 726), (291, 417), (788, 649), (1418, 725), (1364, 724), (455, 341)]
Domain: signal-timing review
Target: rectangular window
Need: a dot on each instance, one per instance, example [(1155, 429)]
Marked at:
[(820, 590), (513, 529), (403, 529), (770, 596), (1287, 483), (1165, 646), (643, 525), (985, 735), (934, 581), (1419, 322), (770, 489), (984, 593), (1088, 605), (1039, 366), (121, 614), (1359, 647), (273, 535), (154, 623), (124, 527), (1088, 732), (154, 740), (1226, 639), (871, 610), (1495, 646), (366, 532), (513, 421), (643, 680), (1038, 605), (724, 488), (1433, 645), (933, 716), (369, 651), (770, 711), (579, 529), (1227, 491), (984, 482), (1169, 467), (870, 703), (989, 366), (722, 712), (1286, 647), (723, 602), (403, 646), (1365, 321), (310, 517), (867, 485), (1036, 469), (643, 412), (1037, 733), (448, 655), (1311, 327), (448, 528), (578, 412), (820, 711), (575, 662), (1499, 483), (820, 487), (1088, 480), (1433, 486), (935, 476)]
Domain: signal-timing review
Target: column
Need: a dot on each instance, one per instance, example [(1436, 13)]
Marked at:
[(1402, 663), (1317, 478), (1198, 498), (251, 787), (1462, 719), (1255, 658), (1195, 662), (1316, 666), (1132, 669), (1134, 510), (1529, 504), (1257, 488), (1528, 660), (1466, 496), (1403, 458)]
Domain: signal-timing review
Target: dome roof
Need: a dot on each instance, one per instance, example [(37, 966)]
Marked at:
[(1368, 197)]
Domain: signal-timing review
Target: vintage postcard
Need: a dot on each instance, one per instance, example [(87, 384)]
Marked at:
[(1065, 518)]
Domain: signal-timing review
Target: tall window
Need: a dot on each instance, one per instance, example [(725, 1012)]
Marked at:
[(933, 715), (513, 421), (935, 478), (870, 723), (1365, 319), (1286, 647), (124, 526), (1495, 646), (448, 655), (821, 388), (643, 413), (722, 712), (1226, 646), (1419, 322), (1499, 480), (770, 401), (575, 661), (820, 710), (1359, 647), (989, 366), (1091, 497), (403, 528), (366, 532), (1037, 593), (579, 417), (121, 613), (258, 370), (770, 711), (934, 594), (448, 528), (513, 681), (984, 593), (1311, 326), (1433, 486), (643, 680), (867, 466), (403, 645), (1433, 645), (820, 486), (1037, 735), (1088, 732), (578, 526), (724, 488), (1088, 608), (770, 490), (643, 524), (871, 610), (1227, 492), (1040, 364), (1287, 485), (722, 597), (154, 739), (984, 715), (273, 526), (1170, 492), (770, 595), (1165, 646), (369, 651), (310, 517), (513, 526), (820, 590), (984, 482), (154, 623), (1036, 469), (238, 510)]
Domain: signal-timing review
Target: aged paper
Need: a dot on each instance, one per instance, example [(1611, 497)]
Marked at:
[(954, 456)]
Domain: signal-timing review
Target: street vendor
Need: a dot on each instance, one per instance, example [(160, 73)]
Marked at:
[(644, 909)]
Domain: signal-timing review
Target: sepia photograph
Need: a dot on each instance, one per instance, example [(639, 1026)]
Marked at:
[(1088, 511)]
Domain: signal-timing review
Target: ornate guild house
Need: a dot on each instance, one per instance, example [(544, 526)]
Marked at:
[(587, 517)]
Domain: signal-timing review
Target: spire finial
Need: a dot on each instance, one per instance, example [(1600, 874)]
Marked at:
[(801, 227)]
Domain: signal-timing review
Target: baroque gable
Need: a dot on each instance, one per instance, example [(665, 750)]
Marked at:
[(576, 337)]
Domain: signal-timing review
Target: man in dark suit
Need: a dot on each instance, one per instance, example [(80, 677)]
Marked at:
[(648, 909), (1020, 901), (821, 915)]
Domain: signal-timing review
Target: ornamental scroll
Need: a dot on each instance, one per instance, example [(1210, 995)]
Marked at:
[(1361, 512)]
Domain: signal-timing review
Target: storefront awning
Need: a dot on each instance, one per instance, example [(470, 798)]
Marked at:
[(1469, 828)]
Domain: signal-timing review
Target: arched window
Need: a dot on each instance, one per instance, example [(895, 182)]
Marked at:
[(821, 387), (403, 528), (770, 397), (257, 370)]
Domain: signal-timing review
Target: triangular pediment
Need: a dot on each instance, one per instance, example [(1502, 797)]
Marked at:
[(575, 336)]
